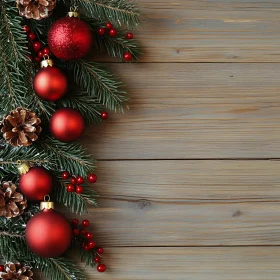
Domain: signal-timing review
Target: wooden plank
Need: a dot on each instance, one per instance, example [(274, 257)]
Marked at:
[(209, 31), (194, 111), (256, 263), (180, 180)]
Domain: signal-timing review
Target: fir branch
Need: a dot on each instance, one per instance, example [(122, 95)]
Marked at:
[(99, 83), (120, 13)]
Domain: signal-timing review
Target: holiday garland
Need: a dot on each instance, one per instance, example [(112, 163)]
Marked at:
[(50, 90)]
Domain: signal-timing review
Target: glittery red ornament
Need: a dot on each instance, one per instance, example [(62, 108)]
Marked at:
[(36, 183), (50, 83), (70, 38), (67, 125), (48, 234)]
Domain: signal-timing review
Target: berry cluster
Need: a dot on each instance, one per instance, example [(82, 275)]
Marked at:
[(36, 46), (87, 242), (113, 33), (76, 182)]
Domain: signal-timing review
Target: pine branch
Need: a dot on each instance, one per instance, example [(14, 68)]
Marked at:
[(120, 13), (99, 83)]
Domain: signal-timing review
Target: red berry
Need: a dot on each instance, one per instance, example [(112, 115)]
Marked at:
[(101, 267), (79, 189), (85, 223), (65, 175), (100, 251), (80, 180), (104, 115), (127, 56), (109, 25), (31, 36), (113, 32), (75, 222), (73, 181), (101, 31), (2, 268), (37, 46), (26, 29), (47, 51), (83, 232), (70, 188), (37, 59), (86, 248), (97, 259), (30, 57), (91, 244), (89, 236), (76, 232), (92, 178), (40, 54), (129, 35)]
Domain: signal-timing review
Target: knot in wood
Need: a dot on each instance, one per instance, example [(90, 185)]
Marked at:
[(143, 203)]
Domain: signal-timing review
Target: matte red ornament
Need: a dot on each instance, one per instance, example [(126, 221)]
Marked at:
[(80, 180), (26, 29), (127, 56), (101, 31), (79, 189), (36, 183), (65, 175), (50, 83), (85, 223), (113, 32), (2, 268), (104, 115), (100, 251), (70, 38), (75, 222), (67, 125), (37, 46), (97, 259), (129, 35), (92, 178), (109, 25), (101, 267), (70, 188), (31, 36), (48, 234)]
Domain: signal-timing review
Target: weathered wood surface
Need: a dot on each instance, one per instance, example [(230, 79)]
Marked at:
[(259, 263), (220, 110), (209, 31)]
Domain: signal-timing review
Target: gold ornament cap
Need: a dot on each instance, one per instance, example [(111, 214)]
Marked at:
[(23, 168), (46, 62), (46, 204), (73, 12)]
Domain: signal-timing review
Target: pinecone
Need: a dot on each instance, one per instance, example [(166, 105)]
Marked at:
[(36, 9), (21, 127), (12, 203), (15, 271)]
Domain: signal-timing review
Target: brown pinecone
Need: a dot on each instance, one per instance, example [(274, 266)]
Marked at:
[(15, 271), (21, 127), (12, 203), (36, 9)]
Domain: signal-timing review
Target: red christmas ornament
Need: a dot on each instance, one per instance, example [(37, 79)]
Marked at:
[(70, 38), (75, 222), (50, 83), (97, 259), (91, 244), (101, 31), (37, 46), (48, 234), (100, 251), (31, 36), (129, 35), (70, 188), (104, 115), (65, 175), (67, 125), (92, 178), (85, 223), (26, 29), (109, 25), (101, 267), (76, 232), (36, 183), (127, 56), (79, 189), (113, 32)]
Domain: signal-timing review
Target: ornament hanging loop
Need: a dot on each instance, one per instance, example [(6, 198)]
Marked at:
[(73, 11), (46, 62), (46, 204)]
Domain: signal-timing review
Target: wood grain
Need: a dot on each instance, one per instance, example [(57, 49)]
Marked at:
[(194, 111), (259, 263), (209, 31)]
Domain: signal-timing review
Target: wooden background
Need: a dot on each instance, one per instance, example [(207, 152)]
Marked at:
[(189, 177)]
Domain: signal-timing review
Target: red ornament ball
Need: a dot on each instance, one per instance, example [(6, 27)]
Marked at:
[(101, 267), (80, 180), (36, 183), (26, 29), (109, 25), (92, 178), (101, 31), (113, 32), (2, 268), (67, 125), (104, 115), (70, 188), (31, 36), (127, 56), (85, 223), (129, 35), (76, 232), (75, 222), (79, 189), (70, 38), (97, 259), (48, 234), (100, 251), (50, 83), (91, 244), (65, 175)]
